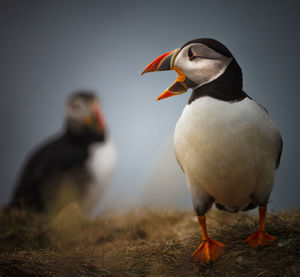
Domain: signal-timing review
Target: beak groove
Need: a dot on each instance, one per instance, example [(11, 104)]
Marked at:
[(161, 63)]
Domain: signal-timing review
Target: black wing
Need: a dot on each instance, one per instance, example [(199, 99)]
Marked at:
[(279, 154), (281, 141), (57, 156)]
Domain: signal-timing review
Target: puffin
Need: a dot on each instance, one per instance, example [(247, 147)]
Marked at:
[(74, 166), (224, 141)]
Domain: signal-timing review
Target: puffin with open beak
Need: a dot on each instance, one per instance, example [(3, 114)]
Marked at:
[(225, 142)]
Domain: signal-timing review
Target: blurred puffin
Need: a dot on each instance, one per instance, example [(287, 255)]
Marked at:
[(225, 142), (74, 166)]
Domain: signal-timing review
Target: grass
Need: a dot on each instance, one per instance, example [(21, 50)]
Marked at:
[(143, 243)]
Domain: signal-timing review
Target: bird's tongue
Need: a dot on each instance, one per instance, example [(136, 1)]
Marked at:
[(166, 62), (178, 87)]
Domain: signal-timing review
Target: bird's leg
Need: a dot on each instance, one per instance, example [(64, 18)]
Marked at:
[(209, 250), (260, 237)]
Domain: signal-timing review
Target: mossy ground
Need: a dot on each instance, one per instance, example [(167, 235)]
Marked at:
[(143, 243)]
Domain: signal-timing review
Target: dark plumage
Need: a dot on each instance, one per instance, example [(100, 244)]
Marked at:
[(56, 173)]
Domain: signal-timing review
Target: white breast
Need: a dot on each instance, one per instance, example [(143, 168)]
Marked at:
[(228, 150), (101, 165)]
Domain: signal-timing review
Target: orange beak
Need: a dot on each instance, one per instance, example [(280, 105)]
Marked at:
[(166, 62), (99, 117)]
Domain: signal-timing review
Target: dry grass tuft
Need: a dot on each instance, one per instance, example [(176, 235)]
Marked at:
[(143, 243)]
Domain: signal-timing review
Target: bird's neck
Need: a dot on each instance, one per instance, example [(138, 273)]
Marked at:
[(84, 137), (227, 87)]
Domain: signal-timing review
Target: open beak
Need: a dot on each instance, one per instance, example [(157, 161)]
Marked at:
[(166, 62)]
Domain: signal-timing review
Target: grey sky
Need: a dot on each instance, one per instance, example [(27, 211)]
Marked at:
[(49, 48)]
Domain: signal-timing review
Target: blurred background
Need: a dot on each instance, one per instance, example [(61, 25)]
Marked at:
[(50, 48)]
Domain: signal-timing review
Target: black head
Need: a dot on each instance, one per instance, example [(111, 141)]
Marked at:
[(83, 114), (200, 63), (212, 44)]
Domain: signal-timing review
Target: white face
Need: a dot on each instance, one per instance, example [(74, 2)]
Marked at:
[(201, 64), (77, 109)]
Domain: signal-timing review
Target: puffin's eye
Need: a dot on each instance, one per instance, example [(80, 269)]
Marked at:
[(191, 54), (75, 106)]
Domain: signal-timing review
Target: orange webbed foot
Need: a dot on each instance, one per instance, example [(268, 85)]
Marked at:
[(259, 238), (208, 251)]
